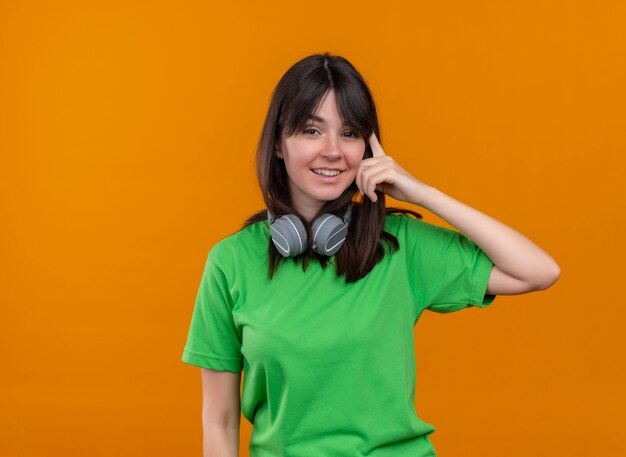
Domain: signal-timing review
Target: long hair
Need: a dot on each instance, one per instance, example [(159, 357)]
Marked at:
[(298, 94)]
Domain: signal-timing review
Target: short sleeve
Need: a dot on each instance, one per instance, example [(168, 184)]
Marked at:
[(447, 271), (213, 341)]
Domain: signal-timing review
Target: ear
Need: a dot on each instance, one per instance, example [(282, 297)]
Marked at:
[(279, 154)]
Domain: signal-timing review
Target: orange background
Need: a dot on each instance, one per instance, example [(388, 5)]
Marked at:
[(127, 138)]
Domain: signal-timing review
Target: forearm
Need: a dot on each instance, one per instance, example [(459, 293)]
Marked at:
[(508, 249), (220, 440)]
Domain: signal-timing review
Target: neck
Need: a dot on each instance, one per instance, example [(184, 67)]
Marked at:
[(309, 212)]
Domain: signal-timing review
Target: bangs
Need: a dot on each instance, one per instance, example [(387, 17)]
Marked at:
[(352, 103)]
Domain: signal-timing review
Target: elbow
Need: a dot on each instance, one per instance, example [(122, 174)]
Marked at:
[(549, 278)]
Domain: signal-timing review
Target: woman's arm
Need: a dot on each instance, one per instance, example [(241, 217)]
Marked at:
[(220, 413), (519, 264), (220, 441)]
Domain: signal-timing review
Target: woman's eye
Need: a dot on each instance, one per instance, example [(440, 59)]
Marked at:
[(350, 133)]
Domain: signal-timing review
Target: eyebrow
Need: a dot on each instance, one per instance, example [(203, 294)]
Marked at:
[(316, 118), (313, 117)]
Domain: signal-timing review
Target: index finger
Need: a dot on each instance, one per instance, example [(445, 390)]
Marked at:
[(377, 149)]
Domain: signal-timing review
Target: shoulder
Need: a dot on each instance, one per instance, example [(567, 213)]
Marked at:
[(404, 226), (247, 243), (401, 222)]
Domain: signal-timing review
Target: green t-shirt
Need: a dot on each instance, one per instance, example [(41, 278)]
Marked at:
[(329, 367)]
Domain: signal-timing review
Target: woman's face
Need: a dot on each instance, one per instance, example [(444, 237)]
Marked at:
[(322, 160)]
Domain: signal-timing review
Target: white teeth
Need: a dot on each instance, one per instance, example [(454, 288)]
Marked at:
[(321, 171)]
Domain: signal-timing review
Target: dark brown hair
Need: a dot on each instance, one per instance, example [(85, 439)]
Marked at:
[(298, 94)]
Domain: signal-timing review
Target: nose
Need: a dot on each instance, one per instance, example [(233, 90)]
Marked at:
[(331, 149)]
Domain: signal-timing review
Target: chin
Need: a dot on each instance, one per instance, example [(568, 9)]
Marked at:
[(328, 198)]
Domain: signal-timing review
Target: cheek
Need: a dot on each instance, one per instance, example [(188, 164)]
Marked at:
[(354, 159), (296, 162), (353, 167), (303, 158)]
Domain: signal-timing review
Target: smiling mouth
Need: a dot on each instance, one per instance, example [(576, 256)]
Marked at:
[(326, 172)]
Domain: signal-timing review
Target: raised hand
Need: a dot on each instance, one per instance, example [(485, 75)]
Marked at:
[(381, 172)]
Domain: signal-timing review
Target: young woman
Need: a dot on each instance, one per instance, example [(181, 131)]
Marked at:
[(316, 297)]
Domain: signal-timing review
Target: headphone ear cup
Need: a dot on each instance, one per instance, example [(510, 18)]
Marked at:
[(289, 235), (329, 233)]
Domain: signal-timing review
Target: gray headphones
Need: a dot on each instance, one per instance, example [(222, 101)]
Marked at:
[(289, 235)]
